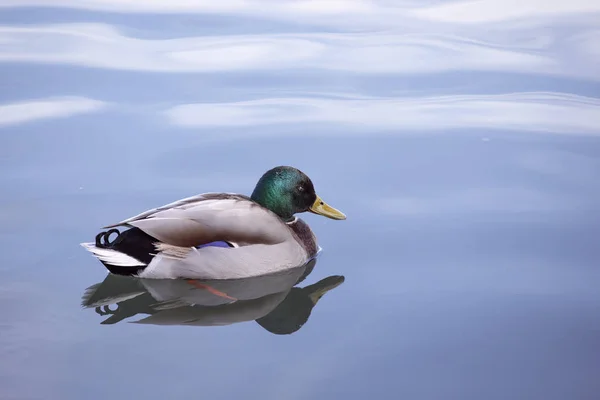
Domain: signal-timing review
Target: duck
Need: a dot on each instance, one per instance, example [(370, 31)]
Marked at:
[(219, 235)]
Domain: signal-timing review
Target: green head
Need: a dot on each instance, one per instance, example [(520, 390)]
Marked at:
[(287, 191)]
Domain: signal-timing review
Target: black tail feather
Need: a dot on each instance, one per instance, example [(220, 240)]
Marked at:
[(134, 242)]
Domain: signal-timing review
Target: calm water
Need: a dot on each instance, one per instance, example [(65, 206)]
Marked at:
[(462, 142)]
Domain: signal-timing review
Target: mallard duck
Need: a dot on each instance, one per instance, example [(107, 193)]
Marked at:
[(219, 235)]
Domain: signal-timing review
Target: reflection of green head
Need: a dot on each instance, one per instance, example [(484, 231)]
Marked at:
[(295, 309)]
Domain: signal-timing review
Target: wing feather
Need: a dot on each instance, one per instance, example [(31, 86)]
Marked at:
[(211, 217)]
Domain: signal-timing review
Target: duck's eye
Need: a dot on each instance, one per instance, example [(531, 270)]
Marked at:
[(301, 188)]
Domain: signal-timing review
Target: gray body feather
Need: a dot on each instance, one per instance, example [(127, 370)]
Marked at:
[(263, 243)]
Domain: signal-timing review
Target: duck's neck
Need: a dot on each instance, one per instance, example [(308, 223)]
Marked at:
[(269, 197)]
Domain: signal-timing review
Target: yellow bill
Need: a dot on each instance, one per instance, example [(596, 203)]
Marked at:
[(324, 209)]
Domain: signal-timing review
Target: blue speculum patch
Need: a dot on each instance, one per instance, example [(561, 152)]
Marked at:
[(214, 244)]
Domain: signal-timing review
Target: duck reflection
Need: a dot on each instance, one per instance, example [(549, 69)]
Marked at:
[(273, 301)]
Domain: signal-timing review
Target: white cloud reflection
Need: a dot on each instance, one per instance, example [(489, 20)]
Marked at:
[(485, 11), (536, 112), (348, 36), (32, 110), (103, 46), (480, 11), (372, 38)]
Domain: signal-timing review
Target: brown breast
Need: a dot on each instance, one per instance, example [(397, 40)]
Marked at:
[(305, 236)]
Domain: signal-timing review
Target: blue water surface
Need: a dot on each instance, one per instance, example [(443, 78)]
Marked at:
[(461, 141)]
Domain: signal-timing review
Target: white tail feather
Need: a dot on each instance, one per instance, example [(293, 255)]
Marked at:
[(112, 257), (174, 252)]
